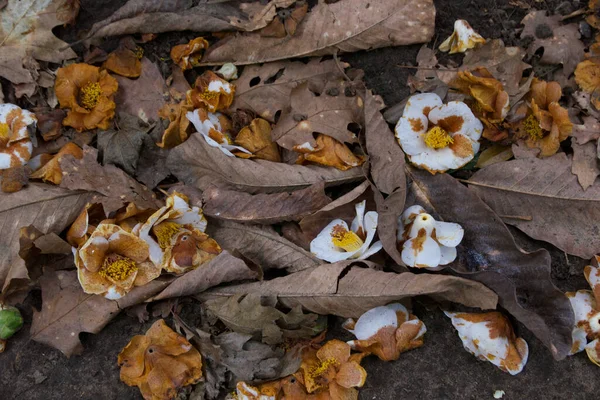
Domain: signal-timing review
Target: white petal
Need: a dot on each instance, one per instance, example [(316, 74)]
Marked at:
[(428, 256), (439, 159), (413, 117), (471, 126), (593, 351), (233, 148), (323, 248), (112, 293), (579, 341), (447, 255), (358, 221), (417, 321), (373, 320), (371, 250), (411, 213), (592, 275), (422, 221), (448, 233), (582, 302)]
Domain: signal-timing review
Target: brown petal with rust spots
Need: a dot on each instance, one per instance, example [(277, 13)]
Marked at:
[(462, 146)]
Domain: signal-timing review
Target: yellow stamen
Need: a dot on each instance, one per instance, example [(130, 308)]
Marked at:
[(437, 138), (208, 95), (139, 52), (532, 127), (322, 368), (347, 240), (164, 232), (4, 134), (90, 94), (117, 268)]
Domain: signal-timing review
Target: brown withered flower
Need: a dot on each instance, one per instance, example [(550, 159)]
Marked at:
[(330, 153), (87, 92), (211, 92), (51, 171), (188, 56)]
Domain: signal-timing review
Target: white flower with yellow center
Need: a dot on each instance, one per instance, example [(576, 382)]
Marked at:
[(427, 243), (212, 126), (462, 39), (436, 136), (336, 242), (15, 143)]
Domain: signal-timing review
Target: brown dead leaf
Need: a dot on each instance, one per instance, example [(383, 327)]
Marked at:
[(585, 163), (221, 269), (50, 122), (26, 35), (309, 114), (197, 164), (242, 207), (261, 245), (349, 25), (51, 171), (114, 187), (14, 179), (488, 254), (266, 89), (556, 208), (347, 290), (144, 96), (152, 164), (561, 43), (124, 62), (122, 146), (60, 321), (246, 314), (493, 155), (256, 138), (286, 21), (588, 131), (428, 78), (48, 208)]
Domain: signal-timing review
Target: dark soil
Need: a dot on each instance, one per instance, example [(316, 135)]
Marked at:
[(441, 369)]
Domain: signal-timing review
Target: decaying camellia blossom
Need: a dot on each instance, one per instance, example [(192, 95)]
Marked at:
[(179, 126), (87, 92), (586, 306), (386, 331), (490, 102), (587, 76), (175, 236), (265, 391), (427, 243), (213, 127), (543, 122), (125, 61), (462, 39), (188, 56), (51, 171), (15, 143), (436, 136), (160, 362), (336, 242), (329, 152), (256, 138), (211, 92), (112, 261), (490, 337)]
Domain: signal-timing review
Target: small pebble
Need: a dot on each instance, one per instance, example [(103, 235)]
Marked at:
[(585, 29)]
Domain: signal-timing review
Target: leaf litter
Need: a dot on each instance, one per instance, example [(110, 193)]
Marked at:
[(228, 215)]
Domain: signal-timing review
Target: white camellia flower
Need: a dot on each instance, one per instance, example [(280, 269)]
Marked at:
[(586, 307), (244, 391), (490, 337), (336, 242), (462, 39), (15, 144), (427, 243), (386, 331), (210, 126), (436, 136)]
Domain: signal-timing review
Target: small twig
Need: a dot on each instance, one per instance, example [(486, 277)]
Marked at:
[(427, 68), (567, 258), (576, 13), (519, 217), (339, 66)]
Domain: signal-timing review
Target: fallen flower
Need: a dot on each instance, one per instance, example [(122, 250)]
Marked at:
[(462, 39), (175, 236), (51, 171), (160, 362), (125, 62), (212, 92), (228, 71), (544, 123), (587, 76), (256, 138), (427, 243), (266, 391), (594, 19), (178, 130), (386, 331), (336, 242), (213, 127), (330, 153), (437, 136), (15, 143), (113, 261), (490, 102), (489, 336), (331, 370), (188, 56), (87, 92)]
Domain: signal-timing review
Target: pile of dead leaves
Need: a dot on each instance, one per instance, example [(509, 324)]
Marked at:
[(266, 193)]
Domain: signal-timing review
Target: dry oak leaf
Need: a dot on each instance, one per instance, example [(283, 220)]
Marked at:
[(14, 179), (51, 171), (545, 201), (488, 254), (261, 245), (160, 362), (236, 206), (308, 113), (585, 163), (588, 131), (560, 42), (122, 146), (199, 165), (347, 290), (26, 34), (256, 138), (345, 26), (114, 187), (266, 89), (49, 209), (67, 310), (286, 21)]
